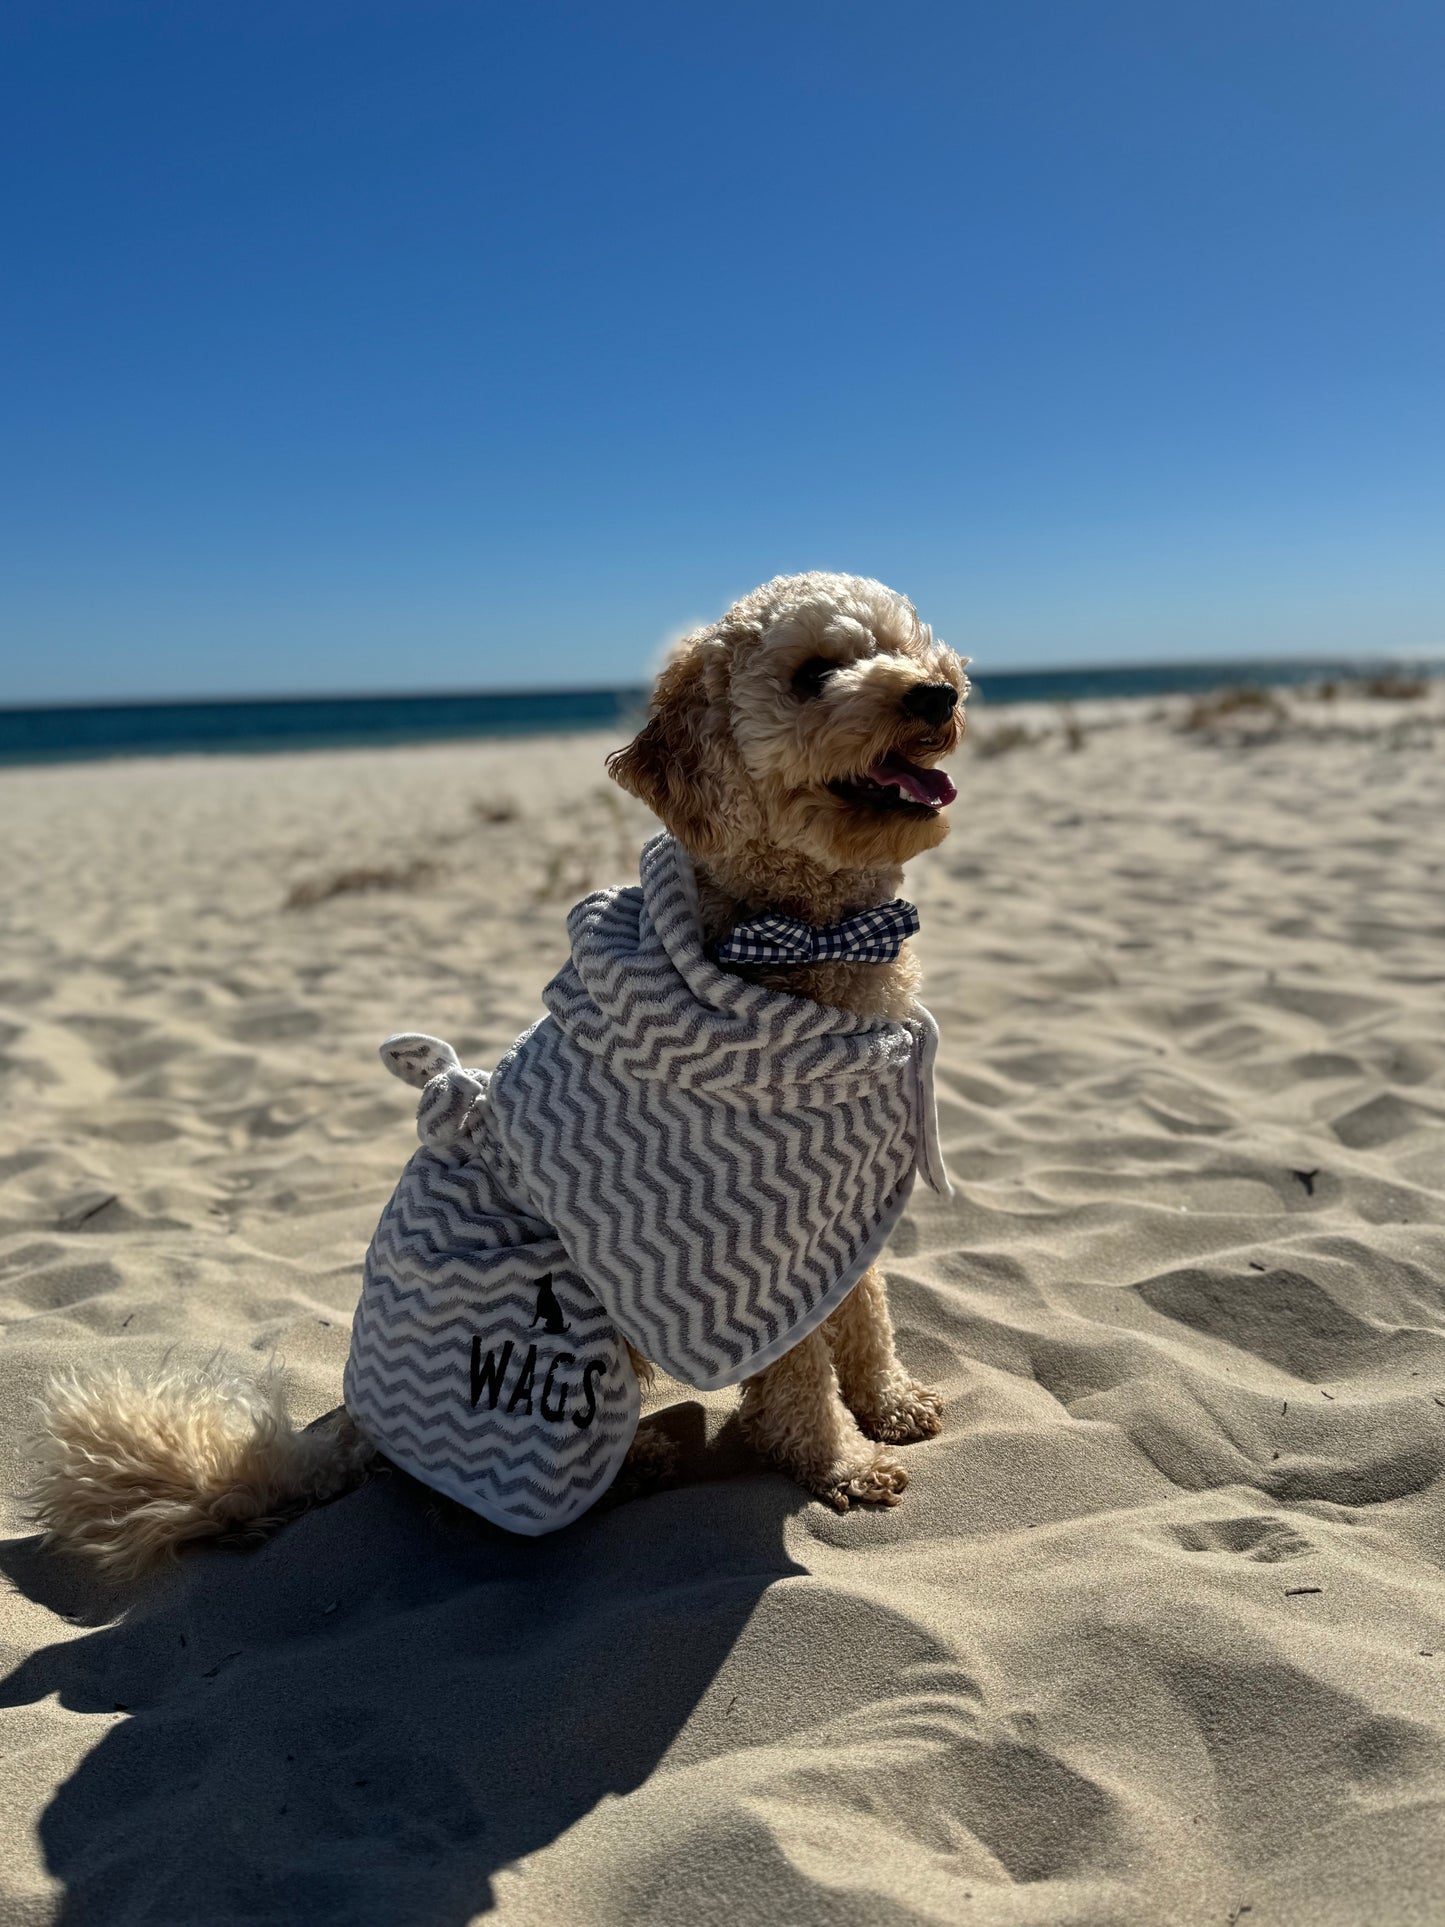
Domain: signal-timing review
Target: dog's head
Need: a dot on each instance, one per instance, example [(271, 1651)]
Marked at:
[(811, 718)]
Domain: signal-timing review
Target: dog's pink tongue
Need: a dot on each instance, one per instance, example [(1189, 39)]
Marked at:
[(928, 786)]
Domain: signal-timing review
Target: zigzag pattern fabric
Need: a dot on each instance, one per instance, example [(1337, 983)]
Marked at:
[(671, 1155), (480, 1362), (722, 1161)]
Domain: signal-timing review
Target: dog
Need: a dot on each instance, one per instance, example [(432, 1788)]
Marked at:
[(791, 750)]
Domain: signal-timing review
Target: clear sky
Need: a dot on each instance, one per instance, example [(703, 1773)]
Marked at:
[(374, 344)]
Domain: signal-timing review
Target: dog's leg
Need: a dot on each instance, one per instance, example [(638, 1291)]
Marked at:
[(886, 1402), (794, 1414)]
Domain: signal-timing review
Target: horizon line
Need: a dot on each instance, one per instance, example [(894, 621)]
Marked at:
[(1255, 663)]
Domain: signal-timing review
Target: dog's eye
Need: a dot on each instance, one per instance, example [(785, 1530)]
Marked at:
[(810, 676)]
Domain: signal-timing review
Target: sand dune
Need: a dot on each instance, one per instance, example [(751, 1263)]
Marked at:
[(1158, 1634)]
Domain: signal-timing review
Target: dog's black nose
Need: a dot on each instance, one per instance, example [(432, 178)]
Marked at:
[(931, 702)]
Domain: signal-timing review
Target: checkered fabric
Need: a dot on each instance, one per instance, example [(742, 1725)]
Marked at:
[(869, 936)]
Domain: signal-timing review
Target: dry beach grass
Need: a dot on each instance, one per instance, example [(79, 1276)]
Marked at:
[(1158, 1634)]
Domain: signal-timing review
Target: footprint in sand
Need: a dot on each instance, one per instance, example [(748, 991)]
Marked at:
[(1382, 1120), (1264, 1540), (275, 1023), (64, 1284), (1279, 1315)]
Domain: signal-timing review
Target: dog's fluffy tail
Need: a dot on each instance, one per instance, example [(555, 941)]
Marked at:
[(128, 1470)]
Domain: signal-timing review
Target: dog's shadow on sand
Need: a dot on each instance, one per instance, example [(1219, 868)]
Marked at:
[(366, 1717)]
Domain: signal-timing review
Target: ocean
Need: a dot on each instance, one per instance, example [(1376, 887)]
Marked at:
[(84, 732)]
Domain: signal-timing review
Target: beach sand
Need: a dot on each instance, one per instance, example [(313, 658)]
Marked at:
[(1158, 1632)]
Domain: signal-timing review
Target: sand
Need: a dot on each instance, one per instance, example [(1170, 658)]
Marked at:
[(1158, 1633)]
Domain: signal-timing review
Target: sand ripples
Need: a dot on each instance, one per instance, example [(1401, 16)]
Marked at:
[(1157, 1635)]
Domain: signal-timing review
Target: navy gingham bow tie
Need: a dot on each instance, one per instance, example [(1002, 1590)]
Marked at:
[(868, 936)]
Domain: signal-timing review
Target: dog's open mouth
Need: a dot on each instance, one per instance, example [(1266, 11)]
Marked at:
[(897, 784)]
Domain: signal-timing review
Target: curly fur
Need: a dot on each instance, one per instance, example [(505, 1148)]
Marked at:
[(127, 1470), (738, 765), (738, 768)]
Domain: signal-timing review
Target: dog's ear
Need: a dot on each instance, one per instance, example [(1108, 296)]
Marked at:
[(672, 764)]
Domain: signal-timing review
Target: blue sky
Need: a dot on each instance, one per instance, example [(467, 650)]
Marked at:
[(431, 345)]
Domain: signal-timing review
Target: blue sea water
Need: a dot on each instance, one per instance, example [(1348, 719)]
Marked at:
[(302, 722), (85, 732)]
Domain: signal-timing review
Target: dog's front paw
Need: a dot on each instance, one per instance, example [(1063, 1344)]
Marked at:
[(901, 1414), (871, 1478)]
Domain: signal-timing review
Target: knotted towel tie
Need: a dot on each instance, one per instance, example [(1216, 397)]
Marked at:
[(868, 936), (452, 1098)]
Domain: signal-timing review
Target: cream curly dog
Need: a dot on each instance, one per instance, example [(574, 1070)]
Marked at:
[(791, 748)]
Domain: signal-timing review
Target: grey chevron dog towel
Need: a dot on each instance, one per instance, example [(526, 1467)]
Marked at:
[(673, 1156)]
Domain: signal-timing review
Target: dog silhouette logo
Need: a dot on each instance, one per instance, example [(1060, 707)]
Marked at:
[(548, 1312)]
